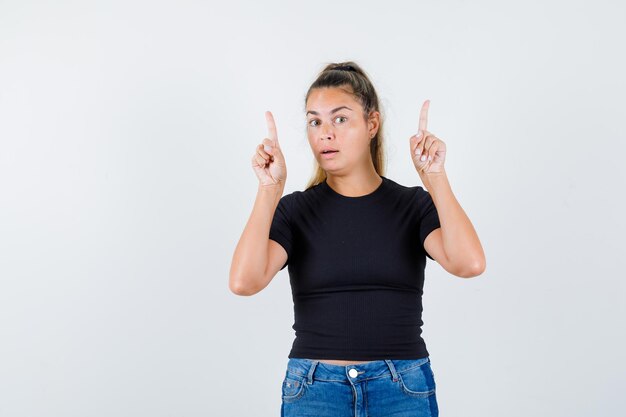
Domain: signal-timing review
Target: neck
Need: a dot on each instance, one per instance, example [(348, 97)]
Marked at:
[(356, 183)]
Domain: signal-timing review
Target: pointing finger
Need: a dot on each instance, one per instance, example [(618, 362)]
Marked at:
[(271, 127), (424, 116)]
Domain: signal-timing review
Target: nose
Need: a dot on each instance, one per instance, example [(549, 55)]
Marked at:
[(327, 134)]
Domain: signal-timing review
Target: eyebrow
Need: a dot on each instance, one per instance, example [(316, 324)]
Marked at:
[(331, 112)]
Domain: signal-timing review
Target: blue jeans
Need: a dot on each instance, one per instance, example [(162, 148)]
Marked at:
[(390, 387)]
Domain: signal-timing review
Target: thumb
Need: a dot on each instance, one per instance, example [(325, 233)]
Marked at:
[(413, 144), (270, 146)]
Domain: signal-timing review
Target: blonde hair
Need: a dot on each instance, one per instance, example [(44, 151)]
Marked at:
[(349, 74)]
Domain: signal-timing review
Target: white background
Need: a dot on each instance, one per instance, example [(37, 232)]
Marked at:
[(126, 134)]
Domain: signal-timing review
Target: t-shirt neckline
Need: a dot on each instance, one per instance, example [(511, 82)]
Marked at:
[(367, 197)]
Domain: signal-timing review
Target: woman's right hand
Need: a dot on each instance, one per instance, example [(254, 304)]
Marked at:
[(268, 162)]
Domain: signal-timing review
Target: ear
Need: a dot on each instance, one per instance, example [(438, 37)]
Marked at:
[(373, 123)]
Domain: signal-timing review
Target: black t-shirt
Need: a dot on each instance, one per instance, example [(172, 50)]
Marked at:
[(356, 268)]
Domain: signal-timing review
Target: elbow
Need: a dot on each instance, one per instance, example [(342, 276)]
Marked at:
[(244, 282), (237, 282), (238, 287), (241, 290), (472, 270)]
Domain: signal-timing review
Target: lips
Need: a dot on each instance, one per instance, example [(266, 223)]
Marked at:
[(329, 154), (328, 150)]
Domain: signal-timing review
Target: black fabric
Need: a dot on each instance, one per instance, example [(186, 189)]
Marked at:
[(356, 268)]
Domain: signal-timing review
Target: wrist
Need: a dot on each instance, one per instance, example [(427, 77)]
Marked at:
[(272, 188), (433, 174), (433, 177)]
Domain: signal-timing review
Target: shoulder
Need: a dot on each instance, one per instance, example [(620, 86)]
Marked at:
[(285, 203), (296, 198), (410, 191), (303, 196)]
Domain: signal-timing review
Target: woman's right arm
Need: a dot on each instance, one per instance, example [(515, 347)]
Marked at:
[(257, 259)]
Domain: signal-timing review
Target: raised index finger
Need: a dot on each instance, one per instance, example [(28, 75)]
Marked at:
[(424, 116), (271, 126)]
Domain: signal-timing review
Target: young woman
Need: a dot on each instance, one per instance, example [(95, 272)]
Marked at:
[(356, 244)]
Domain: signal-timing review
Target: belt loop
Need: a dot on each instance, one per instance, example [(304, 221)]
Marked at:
[(311, 370), (392, 368)]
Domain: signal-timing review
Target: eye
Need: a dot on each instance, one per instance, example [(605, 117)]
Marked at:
[(312, 122)]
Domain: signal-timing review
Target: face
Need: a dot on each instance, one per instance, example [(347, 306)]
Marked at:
[(335, 121)]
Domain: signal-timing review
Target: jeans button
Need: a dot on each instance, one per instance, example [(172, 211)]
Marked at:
[(353, 373)]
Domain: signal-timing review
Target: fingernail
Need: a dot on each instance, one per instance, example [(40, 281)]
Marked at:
[(430, 157), (417, 151), (423, 158), (267, 148), (418, 134)]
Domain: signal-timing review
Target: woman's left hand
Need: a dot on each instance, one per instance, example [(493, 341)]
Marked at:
[(427, 151)]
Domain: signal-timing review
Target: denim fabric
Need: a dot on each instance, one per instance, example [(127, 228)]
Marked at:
[(382, 388)]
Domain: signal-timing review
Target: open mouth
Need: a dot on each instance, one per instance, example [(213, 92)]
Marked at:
[(328, 154)]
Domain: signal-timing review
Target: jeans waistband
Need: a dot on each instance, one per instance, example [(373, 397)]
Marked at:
[(315, 370)]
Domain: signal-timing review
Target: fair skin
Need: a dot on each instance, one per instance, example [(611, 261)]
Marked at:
[(455, 245), (350, 171), (335, 120)]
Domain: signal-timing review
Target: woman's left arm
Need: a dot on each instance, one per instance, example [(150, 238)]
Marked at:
[(455, 245), (456, 239)]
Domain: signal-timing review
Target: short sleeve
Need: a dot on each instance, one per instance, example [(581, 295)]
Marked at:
[(280, 230), (429, 218)]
